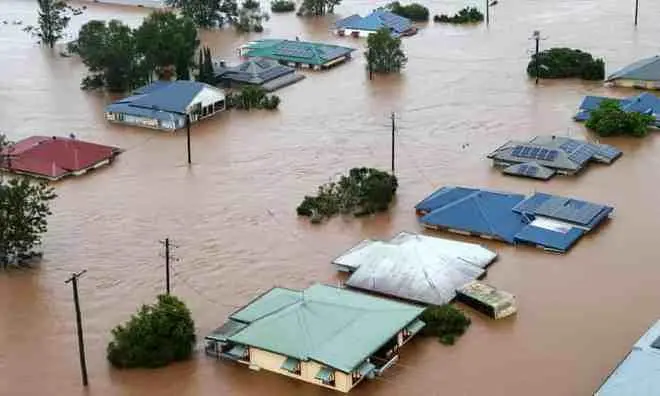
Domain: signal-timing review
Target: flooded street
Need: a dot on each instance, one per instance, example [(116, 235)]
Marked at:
[(232, 214)]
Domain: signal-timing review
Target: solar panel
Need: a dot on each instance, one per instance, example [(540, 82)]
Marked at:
[(534, 152), (525, 152), (552, 155), (531, 171), (522, 169), (516, 151), (570, 145)]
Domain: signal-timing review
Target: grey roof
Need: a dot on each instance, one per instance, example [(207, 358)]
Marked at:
[(529, 169), (253, 71), (336, 327), (416, 267), (555, 152), (647, 69), (639, 373)]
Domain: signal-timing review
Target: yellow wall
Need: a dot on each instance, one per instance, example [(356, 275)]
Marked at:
[(637, 84), (308, 370)]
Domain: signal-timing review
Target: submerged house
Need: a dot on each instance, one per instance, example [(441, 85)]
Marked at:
[(164, 105), (54, 157), (297, 53), (414, 267), (265, 73), (550, 222), (638, 373), (487, 299), (324, 335), (644, 103), (357, 26), (544, 156), (136, 3), (643, 74)]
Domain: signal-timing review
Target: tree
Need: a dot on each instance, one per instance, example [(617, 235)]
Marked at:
[(250, 17), (24, 208), (154, 337), (205, 67), (53, 18), (414, 11), (610, 120), (445, 322), (566, 63), (110, 53), (252, 97), (282, 6), (167, 41), (364, 191), (318, 7), (384, 54), (465, 15)]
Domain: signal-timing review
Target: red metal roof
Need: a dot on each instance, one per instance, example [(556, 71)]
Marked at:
[(55, 157)]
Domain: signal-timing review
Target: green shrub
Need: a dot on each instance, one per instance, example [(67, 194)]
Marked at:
[(282, 6), (154, 337), (445, 322), (364, 191), (252, 97), (414, 12), (610, 120), (466, 15), (566, 63)]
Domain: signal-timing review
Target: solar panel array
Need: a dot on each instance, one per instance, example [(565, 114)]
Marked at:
[(295, 51), (570, 145), (537, 153), (608, 152), (330, 52), (527, 170), (572, 210), (582, 154)]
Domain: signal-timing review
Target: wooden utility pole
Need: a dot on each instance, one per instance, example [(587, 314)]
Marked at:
[(636, 11), (188, 136), (81, 344), (536, 36), (168, 258), (393, 130), (487, 13)]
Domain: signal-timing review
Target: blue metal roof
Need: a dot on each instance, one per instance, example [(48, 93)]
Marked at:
[(582, 213), (545, 220), (173, 96), (638, 372), (482, 212), (549, 239), (127, 108), (643, 103), (643, 70), (376, 20)]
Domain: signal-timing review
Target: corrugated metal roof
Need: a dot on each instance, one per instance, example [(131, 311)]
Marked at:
[(330, 325), (646, 103), (296, 51), (647, 69), (173, 96), (54, 157), (253, 71), (416, 267), (482, 212), (529, 169), (378, 19), (639, 373), (545, 220)]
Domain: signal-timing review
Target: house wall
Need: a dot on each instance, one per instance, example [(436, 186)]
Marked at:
[(308, 370), (637, 84), (144, 122), (353, 32), (138, 3)]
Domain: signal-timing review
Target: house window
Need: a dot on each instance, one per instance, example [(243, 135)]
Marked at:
[(292, 365), (219, 105), (355, 34), (326, 375)]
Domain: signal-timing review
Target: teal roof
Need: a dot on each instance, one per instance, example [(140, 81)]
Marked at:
[(333, 326), (296, 51)]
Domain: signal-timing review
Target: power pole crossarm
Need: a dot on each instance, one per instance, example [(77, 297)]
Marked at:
[(81, 343)]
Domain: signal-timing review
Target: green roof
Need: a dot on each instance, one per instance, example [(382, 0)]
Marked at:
[(333, 326), (296, 51)]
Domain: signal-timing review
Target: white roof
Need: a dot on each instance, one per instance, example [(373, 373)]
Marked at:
[(415, 267)]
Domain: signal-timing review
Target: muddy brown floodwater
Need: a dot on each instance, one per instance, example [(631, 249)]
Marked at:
[(232, 213)]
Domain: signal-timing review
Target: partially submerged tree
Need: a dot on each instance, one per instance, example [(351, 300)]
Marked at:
[(364, 191), (205, 67), (157, 335), (610, 120), (465, 15), (250, 17), (109, 50), (167, 40), (445, 322), (282, 6), (53, 18), (317, 7), (384, 53), (414, 12), (566, 63), (251, 97), (24, 209)]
